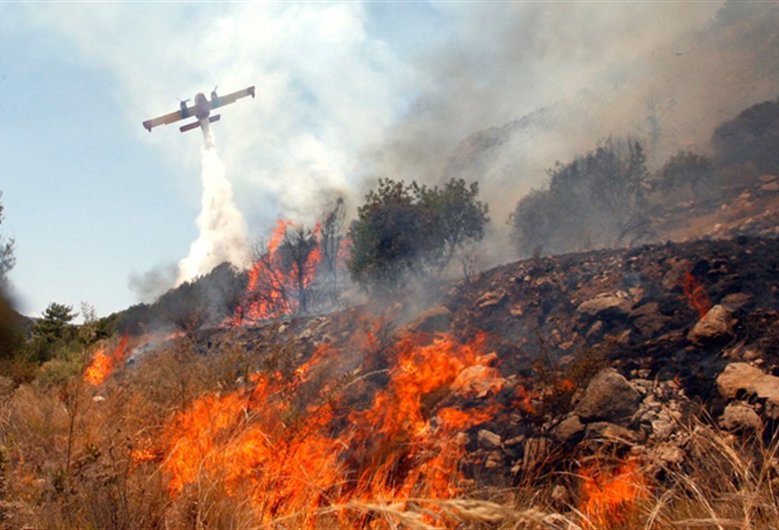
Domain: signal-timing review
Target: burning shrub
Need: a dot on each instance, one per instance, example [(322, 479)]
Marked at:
[(610, 496), (282, 278), (103, 364)]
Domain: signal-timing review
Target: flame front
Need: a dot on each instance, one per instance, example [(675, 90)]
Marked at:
[(269, 292), (290, 455), (103, 365), (608, 497), (695, 294)]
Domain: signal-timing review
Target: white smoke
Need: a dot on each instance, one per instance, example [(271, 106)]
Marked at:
[(221, 225)]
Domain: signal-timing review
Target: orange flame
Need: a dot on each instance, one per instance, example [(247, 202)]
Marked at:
[(103, 365), (608, 497), (290, 457), (270, 285), (695, 294)]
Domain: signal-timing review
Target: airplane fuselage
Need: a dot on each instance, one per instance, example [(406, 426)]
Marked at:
[(202, 107)]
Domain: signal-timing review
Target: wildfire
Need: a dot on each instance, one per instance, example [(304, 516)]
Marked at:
[(103, 364), (290, 455), (695, 294), (609, 496), (276, 282)]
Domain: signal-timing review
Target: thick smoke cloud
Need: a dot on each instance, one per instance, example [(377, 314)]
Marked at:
[(543, 82)]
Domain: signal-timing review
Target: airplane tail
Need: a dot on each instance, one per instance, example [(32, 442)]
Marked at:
[(196, 124)]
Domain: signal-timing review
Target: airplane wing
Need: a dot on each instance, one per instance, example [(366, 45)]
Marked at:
[(169, 118), (232, 98)]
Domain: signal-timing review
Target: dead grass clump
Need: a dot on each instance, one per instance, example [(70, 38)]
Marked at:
[(727, 481)]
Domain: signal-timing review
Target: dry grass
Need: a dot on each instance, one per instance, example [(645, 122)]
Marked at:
[(66, 462)]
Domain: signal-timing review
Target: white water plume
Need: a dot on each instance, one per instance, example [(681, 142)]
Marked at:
[(222, 227)]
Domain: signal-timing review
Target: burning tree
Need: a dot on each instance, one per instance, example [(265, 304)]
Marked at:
[(281, 279), (334, 247)]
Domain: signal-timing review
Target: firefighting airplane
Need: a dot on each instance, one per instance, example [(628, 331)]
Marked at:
[(200, 110)]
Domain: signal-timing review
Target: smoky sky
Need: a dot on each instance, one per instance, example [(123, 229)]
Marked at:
[(520, 86)]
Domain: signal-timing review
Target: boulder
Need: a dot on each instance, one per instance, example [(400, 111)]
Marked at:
[(716, 327), (432, 320), (605, 306), (666, 454), (740, 417), (648, 320), (568, 428), (608, 396), (743, 377), (491, 299), (488, 439), (737, 301)]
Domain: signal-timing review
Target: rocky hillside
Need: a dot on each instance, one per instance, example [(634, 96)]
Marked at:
[(621, 345)]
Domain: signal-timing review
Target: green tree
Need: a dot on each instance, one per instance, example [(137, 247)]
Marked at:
[(412, 229), (457, 216), (52, 333)]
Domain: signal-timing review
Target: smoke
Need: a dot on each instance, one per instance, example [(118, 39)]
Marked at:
[(222, 236), (548, 81), (151, 284), (495, 93)]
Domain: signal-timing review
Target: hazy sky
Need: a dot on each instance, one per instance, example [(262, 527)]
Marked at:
[(93, 199)]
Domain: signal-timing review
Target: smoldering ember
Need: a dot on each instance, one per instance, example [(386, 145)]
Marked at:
[(603, 354)]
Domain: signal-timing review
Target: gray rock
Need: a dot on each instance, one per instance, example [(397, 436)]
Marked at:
[(605, 306), (568, 428), (715, 327), (648, 320), (491, 299), (742, 377), (608, 396), (494, 460), (667, 454), (488, 439), (736, 301), (740, 417), (610, 431), (517, 440)]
